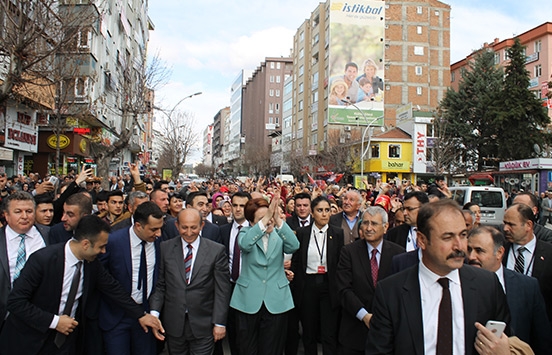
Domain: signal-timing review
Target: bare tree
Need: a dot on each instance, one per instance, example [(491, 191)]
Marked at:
[(204, 170), (177, 139), (444, 156)]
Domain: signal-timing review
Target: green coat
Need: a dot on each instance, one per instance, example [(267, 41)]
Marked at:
[(262, 277)]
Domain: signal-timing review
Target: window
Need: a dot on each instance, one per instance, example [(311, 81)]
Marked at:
[(419, 10), (287, 105), (301, 105), (302, 36), (419, 90), (84, 37), (277, 108), (315, 96), (271, 92), (300, 88), (506, 54), (419, 30), (271, 65), (301, 53), (538, 70), (81, 87), (278, 65), (270, 120), (278, 78), (394, 151), (418, 50), (375, 150), (301, 70), (538, 46), (277, 92), (452, 76), (272, 78), (315, 39), (497, 58), (418, 70), (270, 108)]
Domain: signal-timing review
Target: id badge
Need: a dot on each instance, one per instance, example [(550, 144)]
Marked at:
[(321, 269)]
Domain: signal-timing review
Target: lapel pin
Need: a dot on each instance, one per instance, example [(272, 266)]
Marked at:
[(542, 258), (331, 237)]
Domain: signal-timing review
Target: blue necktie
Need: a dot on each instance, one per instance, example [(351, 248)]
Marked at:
[(21, 257)]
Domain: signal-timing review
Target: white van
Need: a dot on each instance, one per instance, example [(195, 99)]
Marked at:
[(285, 178), (491, 200)]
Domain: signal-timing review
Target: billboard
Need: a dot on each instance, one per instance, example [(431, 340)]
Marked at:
[(356, 53)]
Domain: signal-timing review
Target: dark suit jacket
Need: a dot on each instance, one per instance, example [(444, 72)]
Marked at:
[(207, 295), (404, 261), (5, 278), (36, 296), (58, 234), (169, 230), (224, 232), (293, 222), (211, 231), (118, 262), (334, 243), (542, 271), (356, 287), (528, 311), (399, 234), (397, 326)]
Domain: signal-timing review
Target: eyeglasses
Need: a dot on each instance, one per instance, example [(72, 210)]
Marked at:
[(409, 209)]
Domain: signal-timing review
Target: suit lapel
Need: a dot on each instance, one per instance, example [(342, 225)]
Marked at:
[(330, 246), (157, 246), (4, 255), (178, 255), (412, 302), (127, 255), (538, 260), (362, 250), (305, 247), (386, 261), (201, 256), (469, 298)]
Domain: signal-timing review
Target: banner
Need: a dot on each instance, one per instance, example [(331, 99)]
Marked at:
[(356, 53)]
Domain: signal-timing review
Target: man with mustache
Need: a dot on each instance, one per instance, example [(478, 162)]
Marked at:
[(432, 307), (529, 320), (525, 253)]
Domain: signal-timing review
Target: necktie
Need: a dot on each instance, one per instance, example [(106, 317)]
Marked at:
[(374, 266), (188, 263), (444, 332), (520, 261), (21, 257), (143, 274), (60, 338), (236, 258), (304, 223)]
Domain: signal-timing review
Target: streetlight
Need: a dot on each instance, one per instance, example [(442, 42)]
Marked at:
[(368, 126), (179, 102)]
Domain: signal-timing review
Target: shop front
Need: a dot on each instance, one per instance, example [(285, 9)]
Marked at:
[(74, 153), (527, 175)]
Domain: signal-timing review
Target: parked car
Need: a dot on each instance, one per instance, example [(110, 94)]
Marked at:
[(491, 200)]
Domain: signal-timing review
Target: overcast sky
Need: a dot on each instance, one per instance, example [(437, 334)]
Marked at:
[(208, 42)]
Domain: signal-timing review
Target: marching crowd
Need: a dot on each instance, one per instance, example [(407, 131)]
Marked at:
[(149, 266)]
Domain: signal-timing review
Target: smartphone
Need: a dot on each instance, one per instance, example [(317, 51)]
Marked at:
[(86, 167), (53, 180), (495, 326)]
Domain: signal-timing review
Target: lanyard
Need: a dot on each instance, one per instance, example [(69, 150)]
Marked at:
[(526, 269), (320, 252)]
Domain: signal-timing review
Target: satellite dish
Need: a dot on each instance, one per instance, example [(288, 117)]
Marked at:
[(537, 149)]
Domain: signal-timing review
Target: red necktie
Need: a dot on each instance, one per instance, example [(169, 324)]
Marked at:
[(236, 258), (444, 332), (374, 266)]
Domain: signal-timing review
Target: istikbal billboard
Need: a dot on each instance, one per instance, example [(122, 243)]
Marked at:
[(356, 87)]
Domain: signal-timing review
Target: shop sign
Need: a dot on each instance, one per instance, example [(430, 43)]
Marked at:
[(6, 154), (394, 165), (22, 138), (64, 141)]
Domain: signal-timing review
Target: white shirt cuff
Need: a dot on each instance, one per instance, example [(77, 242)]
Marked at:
[(361, 313), (55, 322), (155, 314), (261, 226)]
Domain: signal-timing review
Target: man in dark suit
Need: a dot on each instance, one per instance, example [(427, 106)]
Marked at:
[(161, 199), (76, 207), (229, 234), (47, 313), (198, 200), (536, 255), (18, 240), (405, 234), (193, 290), (302, 214), (351, 202), (132, 258), (361, 265), (527, 198), (527, 308), (455, 295)]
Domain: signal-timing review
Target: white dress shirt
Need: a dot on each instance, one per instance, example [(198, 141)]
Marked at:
[(68, 272), (317, 249), (529, 256), (411, 243), (233, 239), (362, 312), (500, 274), (431, 293), (195, 248), (33, 242), (136, 254)]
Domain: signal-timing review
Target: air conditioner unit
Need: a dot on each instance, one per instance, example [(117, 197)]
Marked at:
[(342, 140), (347, 128)]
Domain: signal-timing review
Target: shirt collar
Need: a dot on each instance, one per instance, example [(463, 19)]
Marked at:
[(70, 258), (195, 243), (316, 229), (244, 224), (31, 233), (135, 241), (378, 247), (500, 274), (432, 277), (529, 246)]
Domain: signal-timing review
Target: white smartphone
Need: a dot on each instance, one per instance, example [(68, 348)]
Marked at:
[(53, 180), (495, 326)]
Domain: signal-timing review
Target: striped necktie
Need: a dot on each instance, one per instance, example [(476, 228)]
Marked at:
[(520, 261), (188, 263), (21, 257)]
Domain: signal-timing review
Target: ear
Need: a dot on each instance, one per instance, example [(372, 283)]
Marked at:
[(422, 240)]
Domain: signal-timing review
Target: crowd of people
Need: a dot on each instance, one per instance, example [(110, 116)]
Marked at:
[(149, 266)]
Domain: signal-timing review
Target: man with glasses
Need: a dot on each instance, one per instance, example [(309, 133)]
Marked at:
[(361, 265), (405, 234)]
